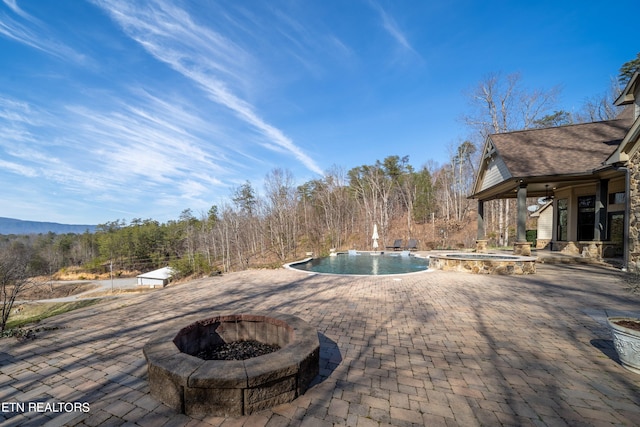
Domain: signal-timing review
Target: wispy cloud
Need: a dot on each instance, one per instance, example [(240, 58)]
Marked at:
[(392, 28), (35, 35), (141, 142), (117, 148), (216, 64), (13, 5), (18, 169), (14, 111), (27, 155)]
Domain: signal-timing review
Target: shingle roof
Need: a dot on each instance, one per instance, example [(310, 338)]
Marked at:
[(561, 150)]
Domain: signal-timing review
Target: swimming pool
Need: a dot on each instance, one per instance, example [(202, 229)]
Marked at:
[(364, 263)]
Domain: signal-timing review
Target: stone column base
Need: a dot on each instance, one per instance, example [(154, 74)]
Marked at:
[(591, 249), (481, 246), (522, 248)]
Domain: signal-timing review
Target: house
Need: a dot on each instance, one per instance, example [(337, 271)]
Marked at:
[(592, 171), (544, 228), (160, 277)]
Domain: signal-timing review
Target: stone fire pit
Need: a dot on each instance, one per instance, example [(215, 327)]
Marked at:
[(195, 386)]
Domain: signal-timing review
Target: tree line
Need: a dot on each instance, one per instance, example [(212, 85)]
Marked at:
[(280, 223)]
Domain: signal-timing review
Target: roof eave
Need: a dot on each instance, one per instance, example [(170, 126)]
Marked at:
[(627, 95)]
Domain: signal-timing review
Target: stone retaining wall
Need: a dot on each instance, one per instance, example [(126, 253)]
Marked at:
[(496, 265)]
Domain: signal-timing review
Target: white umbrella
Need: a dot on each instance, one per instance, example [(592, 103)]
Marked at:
[(375, 236)]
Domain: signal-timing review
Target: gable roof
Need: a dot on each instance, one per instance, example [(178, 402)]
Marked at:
[(560, 150), (550, 152)]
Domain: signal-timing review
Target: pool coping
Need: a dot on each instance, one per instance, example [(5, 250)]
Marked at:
[(288, 266)]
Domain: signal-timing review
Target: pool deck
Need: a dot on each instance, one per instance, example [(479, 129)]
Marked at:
[(436, 349)]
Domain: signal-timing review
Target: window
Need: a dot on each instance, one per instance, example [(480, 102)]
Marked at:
[(563, 219), (616, 198), (586, 217)]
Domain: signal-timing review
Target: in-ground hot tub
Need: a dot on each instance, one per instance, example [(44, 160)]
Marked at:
[(483, 263), (194, 386)]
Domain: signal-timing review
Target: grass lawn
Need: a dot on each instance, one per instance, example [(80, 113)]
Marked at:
[(29, 311), (34, 312)]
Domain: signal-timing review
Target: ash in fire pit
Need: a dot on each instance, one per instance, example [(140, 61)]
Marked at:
[(237, 350)]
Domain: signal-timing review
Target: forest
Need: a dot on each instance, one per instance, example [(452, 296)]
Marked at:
[(281, 223)]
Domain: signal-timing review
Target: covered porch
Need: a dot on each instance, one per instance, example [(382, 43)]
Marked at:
[(567, 167), (588, 213)]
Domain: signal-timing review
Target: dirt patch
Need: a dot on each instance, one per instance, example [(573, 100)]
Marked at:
[(115, 292), (55, 290), (77, 273)]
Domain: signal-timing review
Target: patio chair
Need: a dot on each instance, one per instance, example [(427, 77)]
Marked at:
[(412, 245), (397, 245)]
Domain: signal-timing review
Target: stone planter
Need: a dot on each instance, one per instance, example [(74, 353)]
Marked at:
[(627, 342)]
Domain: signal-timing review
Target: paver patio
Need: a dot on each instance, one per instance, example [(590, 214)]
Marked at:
[(437, 348)]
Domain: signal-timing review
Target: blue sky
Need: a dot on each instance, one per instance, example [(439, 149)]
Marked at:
[(140, 109)]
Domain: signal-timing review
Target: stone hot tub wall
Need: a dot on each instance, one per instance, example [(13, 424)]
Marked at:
[(483, 264), (228, 387)]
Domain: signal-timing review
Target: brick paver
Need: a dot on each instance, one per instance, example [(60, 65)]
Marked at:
[(437, 348)]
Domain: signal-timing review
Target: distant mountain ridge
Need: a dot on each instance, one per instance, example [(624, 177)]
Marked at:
[(18, 226)]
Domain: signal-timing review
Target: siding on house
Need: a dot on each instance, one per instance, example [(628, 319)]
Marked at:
[(496, 172), (545, 224)]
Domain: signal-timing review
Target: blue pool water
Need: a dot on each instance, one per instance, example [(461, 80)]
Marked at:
[(363, 263)]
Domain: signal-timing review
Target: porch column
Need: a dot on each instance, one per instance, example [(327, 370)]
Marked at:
[(521, 246), (481, 228), (481, 241), (521, 235), (600, 223)]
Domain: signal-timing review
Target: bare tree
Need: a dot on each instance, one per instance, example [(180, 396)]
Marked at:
[(499, 105), (463, 173), (332, 207), (280, 212), (373, 187), (15, 277), (600, 107)]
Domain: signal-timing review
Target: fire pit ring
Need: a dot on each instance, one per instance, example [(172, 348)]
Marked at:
[(194, 386)]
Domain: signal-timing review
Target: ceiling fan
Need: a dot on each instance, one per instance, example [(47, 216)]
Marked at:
[(547, 198)]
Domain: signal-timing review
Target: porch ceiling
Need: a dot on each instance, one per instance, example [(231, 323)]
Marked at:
[(541, 186)]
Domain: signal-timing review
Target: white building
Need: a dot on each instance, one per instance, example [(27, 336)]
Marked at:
[(160, 277)]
